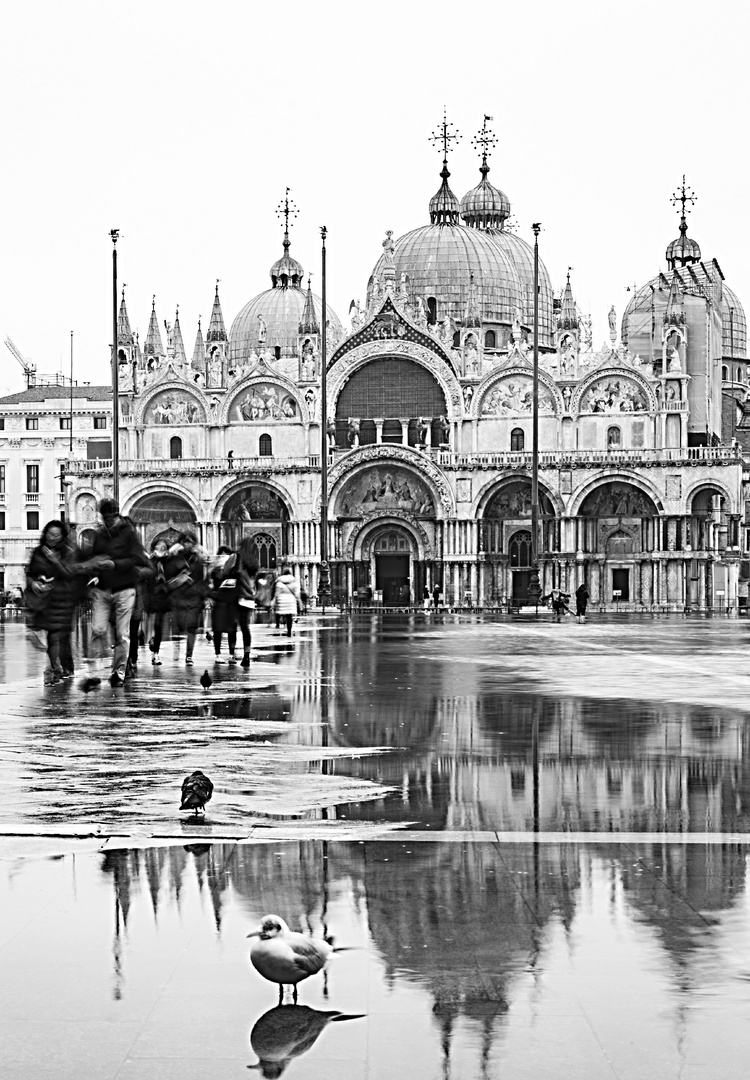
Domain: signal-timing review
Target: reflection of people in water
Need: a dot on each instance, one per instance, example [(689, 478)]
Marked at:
[(286, 1032)]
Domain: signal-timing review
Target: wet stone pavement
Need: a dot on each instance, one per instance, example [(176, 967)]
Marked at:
[(529, 839)]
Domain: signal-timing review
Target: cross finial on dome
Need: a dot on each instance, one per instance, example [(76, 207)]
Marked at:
[(287, 210), (443, 134), (484, 141), (683, 195)]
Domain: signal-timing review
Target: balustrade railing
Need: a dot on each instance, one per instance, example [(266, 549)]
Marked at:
[(571, 458), (181, 466)]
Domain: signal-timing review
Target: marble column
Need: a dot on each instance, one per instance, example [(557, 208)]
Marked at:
[(404, 432)]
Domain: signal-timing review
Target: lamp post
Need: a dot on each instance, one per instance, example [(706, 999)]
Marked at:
[(324, 583), (535, 591), (115, 234)]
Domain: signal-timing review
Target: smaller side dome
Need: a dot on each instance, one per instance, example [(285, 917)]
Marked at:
[(485, 206), (684, 250)]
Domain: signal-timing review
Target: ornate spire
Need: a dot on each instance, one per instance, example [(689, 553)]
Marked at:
[(674, 314), (199, 350), (154, 345), (472, 315), (216, 329), (444, 204), (309, 322), (179, 345), (286, 272), (568, 317), (683, 251), (124, 333)]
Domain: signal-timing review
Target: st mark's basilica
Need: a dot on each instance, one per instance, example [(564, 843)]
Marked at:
[(429, 393)]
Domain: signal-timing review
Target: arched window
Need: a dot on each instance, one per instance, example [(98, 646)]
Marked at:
[(516, 439), (520, 549), (456, 340), (739, 374), (724, 373), (431, 310), (489, 339), (277, 351), (614, 438), (265, 446), (175, 447)]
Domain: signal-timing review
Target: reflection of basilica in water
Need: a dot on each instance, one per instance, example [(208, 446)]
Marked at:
[(429, 406)]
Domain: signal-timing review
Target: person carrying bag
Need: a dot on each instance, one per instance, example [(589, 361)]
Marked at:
[(287, 597)]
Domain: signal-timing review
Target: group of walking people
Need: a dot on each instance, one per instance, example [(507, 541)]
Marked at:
[(133, 594)]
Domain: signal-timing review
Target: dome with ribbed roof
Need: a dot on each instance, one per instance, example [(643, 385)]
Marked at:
[(281, 308), (684, 250), (485, 206)]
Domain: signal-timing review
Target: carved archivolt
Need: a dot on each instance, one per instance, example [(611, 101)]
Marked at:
[(425, 468), (161, 487), (237, 486), (366, 530), (176, 389), (615, 390), (636, 480), (507, 392), (342, 369)]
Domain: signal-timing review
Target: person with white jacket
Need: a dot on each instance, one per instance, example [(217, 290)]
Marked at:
[(286, 597)]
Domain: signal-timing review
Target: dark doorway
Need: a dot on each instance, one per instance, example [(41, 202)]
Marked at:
[(521, 585), (392, 576), (621, 581)]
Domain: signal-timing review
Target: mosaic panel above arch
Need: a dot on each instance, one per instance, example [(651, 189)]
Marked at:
[(618, 499), (263, 400), (614, 394), (513, 395), (174, 408), (162, 507), (513, 500), (384, 489), (255, 503)]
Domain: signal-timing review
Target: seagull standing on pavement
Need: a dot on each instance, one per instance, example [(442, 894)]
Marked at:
[(285, 957)]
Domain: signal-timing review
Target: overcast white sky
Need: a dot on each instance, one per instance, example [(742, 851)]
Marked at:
[(181, 124)]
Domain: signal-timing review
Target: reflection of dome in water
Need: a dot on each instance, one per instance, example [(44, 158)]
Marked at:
[(281, 308)]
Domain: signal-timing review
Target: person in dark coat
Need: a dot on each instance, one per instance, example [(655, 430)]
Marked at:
[(185, 572), (156, 598), (243, 570), (114, 592), (558, 601), (222, 589), (582, 599), (50, 576)]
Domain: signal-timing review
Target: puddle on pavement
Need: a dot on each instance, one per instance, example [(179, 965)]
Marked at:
[(459, 960), (441, 723)]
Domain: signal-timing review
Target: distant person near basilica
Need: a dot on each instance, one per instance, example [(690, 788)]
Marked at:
[(582, 599)]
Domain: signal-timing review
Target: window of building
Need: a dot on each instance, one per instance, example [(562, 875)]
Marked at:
[(724, 373), (32, 479), (739, 374), (2, 520), (65, 424), (520, 549), (32, 520), (489, 339), (516, 439), (100, 422), (614, 438), (265, 446), (2, 423), (431, 310), (2, 479), (175, 447), (277, 352), (32, 423)]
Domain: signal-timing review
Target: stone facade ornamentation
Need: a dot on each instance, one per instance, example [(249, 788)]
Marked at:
[(386, 456), (382, 490)]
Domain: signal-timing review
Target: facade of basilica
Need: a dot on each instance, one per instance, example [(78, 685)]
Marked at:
[(429, 400)]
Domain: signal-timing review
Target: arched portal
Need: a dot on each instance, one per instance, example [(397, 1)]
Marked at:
[(256, 511), (621, 522), (161, 513), (506, 539), (396, 391), (391, 552)]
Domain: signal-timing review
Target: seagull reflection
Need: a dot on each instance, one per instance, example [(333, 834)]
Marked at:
[(285, 1032)]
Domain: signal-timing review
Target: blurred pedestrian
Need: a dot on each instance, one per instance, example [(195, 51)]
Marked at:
[(156, 599), (114, 587), (436, 592), (242, 567), (52, 597), (223, 592), (558, 601), (582, 599), (425, 598), (185, 573), (286, 597)]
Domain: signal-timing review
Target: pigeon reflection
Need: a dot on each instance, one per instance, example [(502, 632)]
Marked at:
[(286, 1031)]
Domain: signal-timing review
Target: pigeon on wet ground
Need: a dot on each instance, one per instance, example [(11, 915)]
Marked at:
[(206, 680), (197, 789), (285, 957), (91, 682)]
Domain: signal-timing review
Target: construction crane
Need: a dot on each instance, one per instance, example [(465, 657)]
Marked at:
[(29, 369)]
